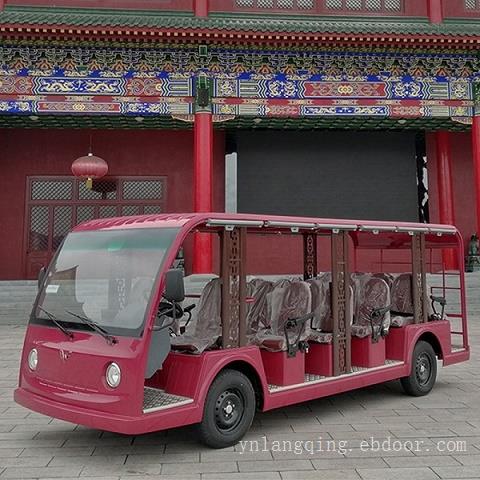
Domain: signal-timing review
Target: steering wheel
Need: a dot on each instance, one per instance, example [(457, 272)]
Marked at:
[(175, 311), (168, 309)]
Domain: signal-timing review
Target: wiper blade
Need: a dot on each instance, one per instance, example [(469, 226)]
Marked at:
[(111, 340), (56, 322)]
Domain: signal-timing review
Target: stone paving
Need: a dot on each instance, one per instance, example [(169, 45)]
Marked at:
[(340, 437)]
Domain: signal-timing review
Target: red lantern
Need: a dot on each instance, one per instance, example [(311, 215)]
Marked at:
[(89, 168)]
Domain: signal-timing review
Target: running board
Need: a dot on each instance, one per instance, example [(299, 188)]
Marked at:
[(316, 379), (155, 399)]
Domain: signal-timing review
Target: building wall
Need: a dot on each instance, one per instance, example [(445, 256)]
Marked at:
[(51, 152)]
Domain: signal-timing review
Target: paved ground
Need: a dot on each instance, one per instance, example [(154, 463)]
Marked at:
[(341, 437)]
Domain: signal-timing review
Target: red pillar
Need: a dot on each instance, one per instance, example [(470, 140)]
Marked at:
[(476, 163), (445, 190), (201, 8), (203, 171), (2, 4), (435, 12)]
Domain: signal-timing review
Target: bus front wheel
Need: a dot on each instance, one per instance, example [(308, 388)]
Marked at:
[(424, 371), (229, 410)]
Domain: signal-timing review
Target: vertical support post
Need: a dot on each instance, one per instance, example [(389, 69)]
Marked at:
[(341, 304), (234, 288), (419, 279), (201, 8), (445, 190), (476, 153), (203, 184), (309, 256), (2, 4), (435, 11)]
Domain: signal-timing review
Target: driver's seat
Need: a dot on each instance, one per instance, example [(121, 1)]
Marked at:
[(205, 331)]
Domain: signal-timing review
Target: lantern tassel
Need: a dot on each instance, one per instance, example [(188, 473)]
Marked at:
[(89, 183)]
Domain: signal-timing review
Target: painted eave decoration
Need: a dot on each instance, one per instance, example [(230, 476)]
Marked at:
[(60, 23)]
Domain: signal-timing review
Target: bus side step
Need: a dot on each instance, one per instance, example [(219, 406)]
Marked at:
[(155, 399)]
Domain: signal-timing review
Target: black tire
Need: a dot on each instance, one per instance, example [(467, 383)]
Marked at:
[(229, 410), (424, 371)]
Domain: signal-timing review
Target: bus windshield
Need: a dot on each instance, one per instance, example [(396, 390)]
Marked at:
[(104, 276)]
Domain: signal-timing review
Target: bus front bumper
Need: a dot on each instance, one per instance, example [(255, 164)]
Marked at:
[(128, 425)]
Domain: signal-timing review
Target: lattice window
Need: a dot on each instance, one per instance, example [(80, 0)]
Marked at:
[(62, 224), (152, 209), (277, 4), (51, 190), (143, 189), (107, 211), (38, 234), (85, 213), (131, 210), (56, 205), (365, 5), (101, 190), (472, 4)]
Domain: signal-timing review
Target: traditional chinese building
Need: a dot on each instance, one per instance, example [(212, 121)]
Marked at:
[(332, 108)]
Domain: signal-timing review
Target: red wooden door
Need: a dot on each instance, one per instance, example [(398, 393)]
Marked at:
[(56, 204)]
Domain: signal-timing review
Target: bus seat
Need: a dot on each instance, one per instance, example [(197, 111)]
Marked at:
[(372, 293), (388, 277), (321, 302), (402, 300), (257, 311), (206, 330), (286, 301), (322, 307)]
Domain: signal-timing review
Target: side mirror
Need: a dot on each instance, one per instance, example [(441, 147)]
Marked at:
[(174, 286), (41, 276)]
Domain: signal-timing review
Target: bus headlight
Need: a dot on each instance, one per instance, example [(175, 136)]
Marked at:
[(33, 359), (113, 375)]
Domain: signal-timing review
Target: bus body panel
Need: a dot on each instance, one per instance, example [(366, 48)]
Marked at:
[(200, 371), (73, 371), (408, 336), (128, 425)]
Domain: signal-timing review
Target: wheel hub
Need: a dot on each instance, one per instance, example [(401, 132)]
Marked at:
[(229, 410), (423, 369)]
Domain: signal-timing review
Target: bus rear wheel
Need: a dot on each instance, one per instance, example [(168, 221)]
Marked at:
[(424, 371), (229, 410)]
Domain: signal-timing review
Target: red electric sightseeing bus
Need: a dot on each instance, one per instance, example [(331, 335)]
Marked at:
[(121, 340)]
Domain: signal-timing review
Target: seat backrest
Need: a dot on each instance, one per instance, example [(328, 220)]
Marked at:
[(257, 311), (402, 294), (322, 301), (388, 277), (208, 319), (374, 294), (287, 302), (141, 290)]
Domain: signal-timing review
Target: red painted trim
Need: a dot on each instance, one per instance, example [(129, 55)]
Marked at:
[(435, 11), (445, 189), (203, 187), (2, 4), (201, 8), (458, 9), (476, 164), (102, 32)]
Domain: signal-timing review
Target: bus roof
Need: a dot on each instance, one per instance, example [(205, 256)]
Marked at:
[(255, 221)]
